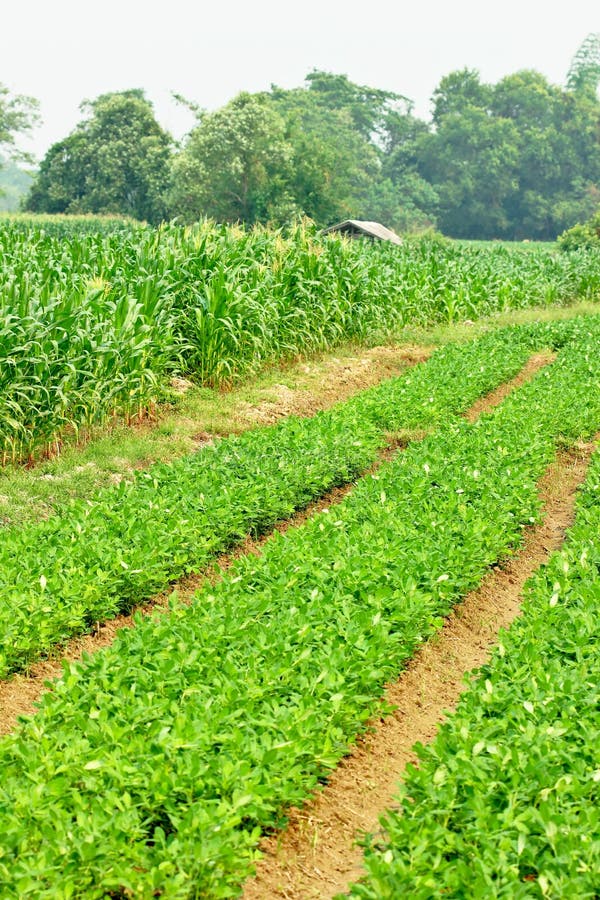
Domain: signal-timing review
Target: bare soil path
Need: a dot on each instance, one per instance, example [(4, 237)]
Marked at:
[(317, 855), (535, 362)]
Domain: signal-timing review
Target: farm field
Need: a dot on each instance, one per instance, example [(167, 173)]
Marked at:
[(505, 801), (157, 765), (324, 551), (94, 323), (91, 561)]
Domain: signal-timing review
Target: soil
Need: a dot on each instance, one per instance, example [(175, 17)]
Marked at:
[(317, 855)]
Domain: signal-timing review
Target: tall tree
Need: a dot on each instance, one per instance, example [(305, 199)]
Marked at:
[(558, 165), (18, 115), (333, 160), (369, 108), (403, 198), (584, 73), (271, 156), (116, 161), (517, 159), (471, 162), (235, 165), (469, 159), (457, 92)]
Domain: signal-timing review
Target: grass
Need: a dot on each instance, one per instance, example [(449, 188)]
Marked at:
[(31, 494)]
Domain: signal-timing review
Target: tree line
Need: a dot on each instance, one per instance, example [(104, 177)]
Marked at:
[(516, 159)]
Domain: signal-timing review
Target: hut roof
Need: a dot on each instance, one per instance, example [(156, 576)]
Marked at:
[(359, 227)]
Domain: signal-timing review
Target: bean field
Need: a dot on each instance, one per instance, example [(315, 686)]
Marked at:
[(159, 764)]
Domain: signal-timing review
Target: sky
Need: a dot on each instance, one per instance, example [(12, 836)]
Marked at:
[(65, 51)]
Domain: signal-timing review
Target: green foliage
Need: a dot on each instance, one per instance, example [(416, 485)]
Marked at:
[(155, 766), (459, 91), (369, 108), (115, 162), (584, 74), (18, 115), (582, 237), (517, 159), (93, 325), (235, 165), (403, 198), (504, 802), (14, 184), (471, 162), (91, 560), (333, 163), (269, 157)]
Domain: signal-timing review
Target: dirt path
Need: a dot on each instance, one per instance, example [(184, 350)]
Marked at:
[(495, 398), (19, 694), (317, 856)]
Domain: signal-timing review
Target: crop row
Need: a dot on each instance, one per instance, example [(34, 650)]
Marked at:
[(99, 557), (506, 801), (91, 325), (155, 767)]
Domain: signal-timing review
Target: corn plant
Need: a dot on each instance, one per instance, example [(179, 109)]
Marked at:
[(95, 314)]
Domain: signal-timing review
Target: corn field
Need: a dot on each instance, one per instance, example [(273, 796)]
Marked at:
[(95, 315)]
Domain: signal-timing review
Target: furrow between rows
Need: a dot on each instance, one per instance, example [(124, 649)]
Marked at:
[(19, 694), (504, 802), (158, 765), (317, 855)]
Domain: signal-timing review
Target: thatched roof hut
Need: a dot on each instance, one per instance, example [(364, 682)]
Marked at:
[(357, 228)]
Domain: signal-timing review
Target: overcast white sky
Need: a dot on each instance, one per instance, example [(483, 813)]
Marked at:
[(62, 51)]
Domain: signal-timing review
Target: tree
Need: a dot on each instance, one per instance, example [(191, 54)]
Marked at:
[(584, 73), (517, 159), (273, 156), (457, 92), (115, 162), (403, 198), (333, 161), (235, 165), (18, 115), (369, 108), (558, 165), (470, 158), (471, 162)]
